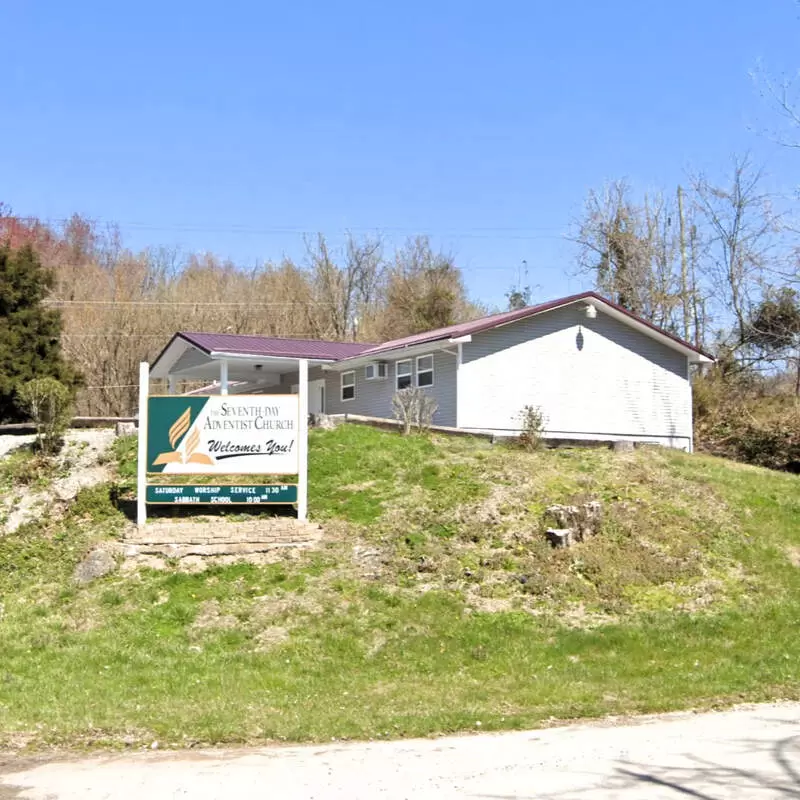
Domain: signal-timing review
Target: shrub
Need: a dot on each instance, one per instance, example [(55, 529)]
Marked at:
[(746, 418), (533, 422), (48, 403), (413, 407)]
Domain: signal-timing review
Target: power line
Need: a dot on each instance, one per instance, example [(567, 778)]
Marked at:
[(111, 386), (479, 232), (165, 336), (186, 303), (276, 266)]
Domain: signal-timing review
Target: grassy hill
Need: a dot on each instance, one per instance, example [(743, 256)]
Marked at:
[(435, 603)]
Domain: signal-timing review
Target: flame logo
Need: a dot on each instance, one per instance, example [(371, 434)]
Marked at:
[(190, 454), (180, 427)]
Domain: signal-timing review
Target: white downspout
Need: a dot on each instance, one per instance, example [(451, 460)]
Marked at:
[(459, 360)]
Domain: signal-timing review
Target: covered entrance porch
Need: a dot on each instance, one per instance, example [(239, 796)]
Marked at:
[(207, 363)]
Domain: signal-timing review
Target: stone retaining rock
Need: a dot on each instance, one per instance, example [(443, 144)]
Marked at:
[(98, 562), (573, 524)]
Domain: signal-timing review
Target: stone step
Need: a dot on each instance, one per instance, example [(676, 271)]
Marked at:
[(174, 550), (264, 533)]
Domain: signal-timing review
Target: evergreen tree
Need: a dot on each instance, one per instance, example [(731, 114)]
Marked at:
[(30, 333)]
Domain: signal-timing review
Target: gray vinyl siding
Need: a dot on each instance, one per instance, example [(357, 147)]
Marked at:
[(374, 398), (591, 378), (289, 379)]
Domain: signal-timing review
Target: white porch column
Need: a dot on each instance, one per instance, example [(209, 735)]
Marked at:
[(302, 439), (171, 384), (141, 467), (223, 377)]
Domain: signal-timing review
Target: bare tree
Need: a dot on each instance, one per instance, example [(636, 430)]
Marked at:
[(425, 290), (343, 291), (119, 307), (630, 251), (740, 242), (782, 95)]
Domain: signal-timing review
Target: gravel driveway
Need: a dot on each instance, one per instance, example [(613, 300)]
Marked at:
[(751, 752)]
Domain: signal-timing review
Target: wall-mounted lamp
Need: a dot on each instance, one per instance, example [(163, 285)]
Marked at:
[(258, 366), (590, 311)]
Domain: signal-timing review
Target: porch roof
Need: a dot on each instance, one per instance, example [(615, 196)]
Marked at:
[(236, 344), (249, 357)]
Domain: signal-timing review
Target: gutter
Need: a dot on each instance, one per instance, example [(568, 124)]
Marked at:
[(396, 353)]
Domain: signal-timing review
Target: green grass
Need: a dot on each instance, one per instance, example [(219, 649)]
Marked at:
[(355, 473), (432, 606)]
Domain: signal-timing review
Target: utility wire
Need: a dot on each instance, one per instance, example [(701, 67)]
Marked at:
[(186, 303), (165, 336), (273, 267), (469, 232)]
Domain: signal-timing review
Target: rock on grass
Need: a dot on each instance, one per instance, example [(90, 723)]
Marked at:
[(98, 562)]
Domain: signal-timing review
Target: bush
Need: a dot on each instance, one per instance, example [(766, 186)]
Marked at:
[(746, 418), (533, 422), (413, 407), (22, 467), (48, 403)]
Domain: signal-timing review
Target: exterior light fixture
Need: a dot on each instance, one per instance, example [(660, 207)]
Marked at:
[(591, 311)]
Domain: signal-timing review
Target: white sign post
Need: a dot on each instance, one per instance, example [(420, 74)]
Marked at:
[(302, 468), (141, 471)]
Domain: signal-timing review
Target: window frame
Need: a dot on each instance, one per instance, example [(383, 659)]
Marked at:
[(432, 371), (376, 366), (343, 386), (397, 374)]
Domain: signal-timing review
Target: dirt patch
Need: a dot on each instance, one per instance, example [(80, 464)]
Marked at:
[(491, 605), (793, 554), (269, 607), (379, 640), (144, 562), (358, 487), (576, 615), (270, 637), (209, 617)]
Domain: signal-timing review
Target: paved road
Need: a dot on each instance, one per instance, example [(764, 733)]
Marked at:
[(751, 752)]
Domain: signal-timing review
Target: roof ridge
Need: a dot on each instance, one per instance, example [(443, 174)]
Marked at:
[(505, 317), (275, 338)]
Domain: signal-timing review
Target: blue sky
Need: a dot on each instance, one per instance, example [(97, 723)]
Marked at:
[(235, 126)]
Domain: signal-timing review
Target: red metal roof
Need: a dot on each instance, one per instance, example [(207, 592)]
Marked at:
[(337, 351), (272, 346), (493, 321)]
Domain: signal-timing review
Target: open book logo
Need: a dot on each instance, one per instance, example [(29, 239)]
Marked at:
[(189, 454)]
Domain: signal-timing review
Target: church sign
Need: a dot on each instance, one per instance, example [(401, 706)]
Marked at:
[(210, 436), (223, 435)]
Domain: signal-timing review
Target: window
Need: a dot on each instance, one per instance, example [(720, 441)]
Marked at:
[(424, 371), (376, 371), (403, 374), (348, 385)]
